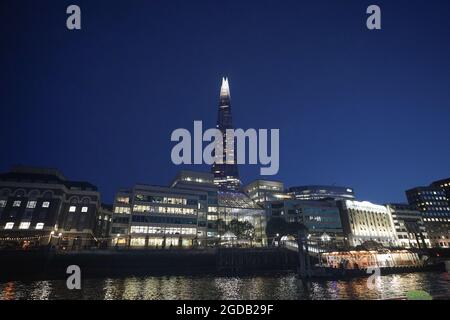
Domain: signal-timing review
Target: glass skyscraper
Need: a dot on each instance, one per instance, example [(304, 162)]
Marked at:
[(225, 169)]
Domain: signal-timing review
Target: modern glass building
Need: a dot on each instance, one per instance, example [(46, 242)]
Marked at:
[(225, 169), (192, 212), (317, 192), (262, 191), (320, 217), (409, 226), (434, 205)]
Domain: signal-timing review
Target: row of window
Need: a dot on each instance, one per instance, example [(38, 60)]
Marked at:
[(30, 204), (24, 225), (161, 230), (74, 208), (172, 210)]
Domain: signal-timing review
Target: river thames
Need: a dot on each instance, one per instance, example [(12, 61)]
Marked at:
[(279, 286)]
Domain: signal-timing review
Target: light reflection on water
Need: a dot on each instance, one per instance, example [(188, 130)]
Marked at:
[(285, 287)]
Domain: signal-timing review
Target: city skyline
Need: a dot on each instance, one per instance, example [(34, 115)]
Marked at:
[(355, 108)]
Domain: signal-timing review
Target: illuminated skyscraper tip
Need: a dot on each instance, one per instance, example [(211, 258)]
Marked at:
[(226, 174), (225, 88)]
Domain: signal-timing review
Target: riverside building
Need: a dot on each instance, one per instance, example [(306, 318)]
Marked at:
[(40, 207), (192, 212), (320, 217), (366, 222), (409, 226), (434, 206)]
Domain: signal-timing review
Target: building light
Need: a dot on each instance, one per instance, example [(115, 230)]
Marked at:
[(9, 225), (24, 225), (16, 203), (84, 209), (39, 226), (31, 204), (45, 204), (2, 203), (72, 209)]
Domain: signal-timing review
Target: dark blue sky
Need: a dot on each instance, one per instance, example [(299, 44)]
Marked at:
[(368, 109)]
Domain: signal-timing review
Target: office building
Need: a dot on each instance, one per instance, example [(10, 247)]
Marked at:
[(364, 222), (320, 217), (434, 205), (262, 191), (225, 169), (193, 212), (409, 226)]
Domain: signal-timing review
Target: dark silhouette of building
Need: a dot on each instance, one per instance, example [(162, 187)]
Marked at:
[(226, 174), (41, 207)]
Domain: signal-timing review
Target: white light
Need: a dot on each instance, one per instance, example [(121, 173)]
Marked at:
[(9, 225), (24, 225), (39, 226)]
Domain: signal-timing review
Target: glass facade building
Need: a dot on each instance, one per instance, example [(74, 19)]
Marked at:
[(192, 212), (434, 206), (262, 191), (225, 168)]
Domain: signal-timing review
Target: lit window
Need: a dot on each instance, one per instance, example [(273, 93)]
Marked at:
[(2, 203), (31, 204), (24, 225), (39, 226), (45, 204), (16, 203), (84, 209), (72, 209), (9, 225)]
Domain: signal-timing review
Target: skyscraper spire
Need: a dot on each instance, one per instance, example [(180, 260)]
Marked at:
[(226, 174), (225, 89)]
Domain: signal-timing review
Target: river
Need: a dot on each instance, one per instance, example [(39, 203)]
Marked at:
[(278, 286)]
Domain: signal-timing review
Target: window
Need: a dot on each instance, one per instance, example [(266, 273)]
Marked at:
[(72, 209), (31, 204), (24, 225), (84, 209), (2, 203), (125, 200), (138, 229), (39, 226), (9, 225), (45, 204), (124, 210), (16, 203)]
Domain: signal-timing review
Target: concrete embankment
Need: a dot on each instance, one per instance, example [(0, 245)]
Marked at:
[(18, 265)]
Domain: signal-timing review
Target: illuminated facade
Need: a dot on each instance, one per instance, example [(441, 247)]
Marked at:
[(262, 191), (318, 192), (225, 169), (193, 212), (434, 205), (409, 226), (365, 222), (39, 206)]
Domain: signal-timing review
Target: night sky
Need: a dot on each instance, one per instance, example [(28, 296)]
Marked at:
[(360, 108)]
